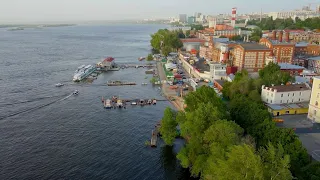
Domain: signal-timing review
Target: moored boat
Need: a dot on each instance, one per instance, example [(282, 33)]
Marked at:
[(107, 104), (119, 103), (154, 101), (83, 72)]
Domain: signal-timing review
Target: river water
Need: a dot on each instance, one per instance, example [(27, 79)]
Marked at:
[(45, 133)]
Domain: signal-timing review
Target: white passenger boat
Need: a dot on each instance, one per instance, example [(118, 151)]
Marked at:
[(83, 72)]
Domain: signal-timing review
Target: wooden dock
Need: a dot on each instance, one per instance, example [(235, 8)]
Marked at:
[(154, 135), (120, 83)]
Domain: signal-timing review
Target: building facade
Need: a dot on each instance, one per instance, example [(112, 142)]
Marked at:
[(217, 71), (314, 108), (183, 18), (285, 94), (283, 51), (250, 56)]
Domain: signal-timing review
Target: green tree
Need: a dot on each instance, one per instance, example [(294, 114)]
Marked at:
[(168, 126), (236, 38), (272, 74), (150, 57), (242, 163), (311, 171), (275, 163), (166, 41), (188, 33)]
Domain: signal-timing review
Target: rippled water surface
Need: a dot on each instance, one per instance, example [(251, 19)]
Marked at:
[(47, 134)]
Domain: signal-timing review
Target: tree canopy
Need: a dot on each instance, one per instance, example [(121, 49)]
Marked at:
[(217, 148), (270, 24), (168, 126), (166, 41)]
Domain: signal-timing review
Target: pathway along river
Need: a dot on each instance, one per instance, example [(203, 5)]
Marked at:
[(47, 134)]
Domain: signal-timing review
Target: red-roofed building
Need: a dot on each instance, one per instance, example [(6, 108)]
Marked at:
[(107, 63)]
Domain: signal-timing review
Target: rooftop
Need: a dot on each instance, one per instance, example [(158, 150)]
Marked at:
[(317, 58), (288, 106), (284, 66), (253, 46), (192, 40), (291, 87)]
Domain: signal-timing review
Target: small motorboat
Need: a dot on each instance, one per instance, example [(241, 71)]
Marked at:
[(133, 103), (154, 102), (144, 83), (76, 92), (142, 102), (59, 85), (141, 58), (149, 101), (119, 103)]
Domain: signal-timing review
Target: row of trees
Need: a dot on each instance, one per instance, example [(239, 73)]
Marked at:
[(238, 141), (247, 110), (270, 24), (217, 147), (165, 41)]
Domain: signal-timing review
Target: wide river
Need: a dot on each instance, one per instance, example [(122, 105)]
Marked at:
[(46, 133)]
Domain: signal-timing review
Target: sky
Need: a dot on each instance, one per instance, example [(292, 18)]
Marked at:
[(87, 10)]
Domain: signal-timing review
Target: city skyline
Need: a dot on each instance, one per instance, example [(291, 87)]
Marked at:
[(81, 10)]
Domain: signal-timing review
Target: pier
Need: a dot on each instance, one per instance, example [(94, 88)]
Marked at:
[(120, 83), (154, 135)]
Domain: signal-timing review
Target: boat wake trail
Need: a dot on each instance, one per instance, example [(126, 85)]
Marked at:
[(28, 101), (35, 108)]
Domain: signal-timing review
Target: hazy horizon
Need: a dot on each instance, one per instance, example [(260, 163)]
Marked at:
[(68, 11)]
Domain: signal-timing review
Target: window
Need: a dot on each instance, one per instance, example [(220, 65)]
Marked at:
[(300, 93), (281, 101), (292, 94), (281, 95), (316, 103), (315, 112), (287, 101), (271, 94), (271, 101), (299, 99), (267, 100), (288, 94), (292, 100)]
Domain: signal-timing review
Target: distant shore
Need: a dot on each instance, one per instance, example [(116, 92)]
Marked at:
[(22, 26)]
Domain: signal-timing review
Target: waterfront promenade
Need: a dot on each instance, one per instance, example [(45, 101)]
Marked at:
[(167, 92)]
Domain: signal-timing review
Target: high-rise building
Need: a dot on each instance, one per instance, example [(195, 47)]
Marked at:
[(183, 18), (191, 20), (314, 108)]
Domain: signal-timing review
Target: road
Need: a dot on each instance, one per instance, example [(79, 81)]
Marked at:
[(178, 103)]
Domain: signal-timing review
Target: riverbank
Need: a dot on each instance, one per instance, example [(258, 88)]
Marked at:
[(169, 94)]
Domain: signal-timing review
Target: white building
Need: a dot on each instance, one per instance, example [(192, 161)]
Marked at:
[(218, 71), (314, 108), (302, 14), (284, 94)]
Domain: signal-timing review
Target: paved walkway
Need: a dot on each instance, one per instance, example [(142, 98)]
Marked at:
[(178, 103)]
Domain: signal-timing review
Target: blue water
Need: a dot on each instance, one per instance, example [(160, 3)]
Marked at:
[(47, 134)]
